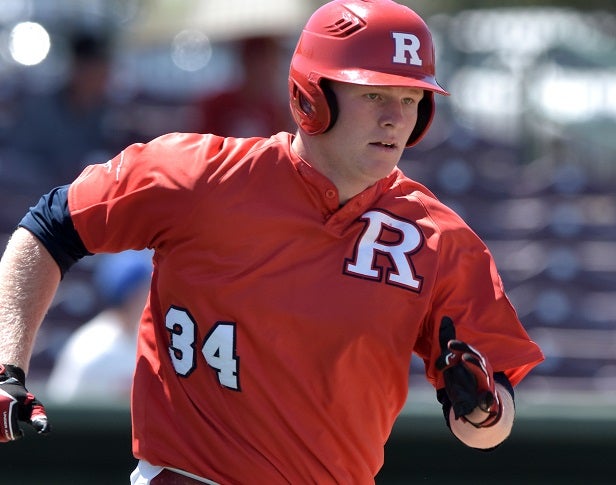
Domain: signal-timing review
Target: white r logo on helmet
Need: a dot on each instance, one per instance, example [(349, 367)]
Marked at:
[(407, 47)]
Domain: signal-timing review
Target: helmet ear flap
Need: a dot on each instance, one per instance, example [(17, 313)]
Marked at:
[(310, 108), (425, 113)]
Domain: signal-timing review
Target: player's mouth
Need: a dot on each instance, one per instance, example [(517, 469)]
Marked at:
[(384, 145)]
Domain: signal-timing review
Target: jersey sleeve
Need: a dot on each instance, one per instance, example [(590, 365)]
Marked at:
[(50, 221), (469, 290), (143, 196)]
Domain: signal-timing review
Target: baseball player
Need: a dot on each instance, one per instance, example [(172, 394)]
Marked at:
[(294, 276)]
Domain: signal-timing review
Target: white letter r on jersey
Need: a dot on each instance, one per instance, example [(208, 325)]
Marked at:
[(371, 244)]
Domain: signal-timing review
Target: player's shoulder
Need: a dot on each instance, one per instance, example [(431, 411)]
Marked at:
[(203, 148), (441, 215), (211, 142), (189, 143)]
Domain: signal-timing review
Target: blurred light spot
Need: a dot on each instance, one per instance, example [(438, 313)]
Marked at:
[(29, 43), (567, 219), (191, 50), (455, 176), (573, 95), (552, 307), (489, 99), (563, 264), (486, 91), (569, 179)]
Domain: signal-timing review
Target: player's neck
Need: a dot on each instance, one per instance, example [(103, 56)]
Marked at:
[(309, 152)]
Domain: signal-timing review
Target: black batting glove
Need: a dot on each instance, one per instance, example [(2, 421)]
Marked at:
[(17, 404), (468, 376)]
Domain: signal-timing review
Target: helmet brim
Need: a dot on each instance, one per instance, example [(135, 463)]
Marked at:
[(374, 78)]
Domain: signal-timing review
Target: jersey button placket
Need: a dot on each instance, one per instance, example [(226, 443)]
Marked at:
[(331, 202)]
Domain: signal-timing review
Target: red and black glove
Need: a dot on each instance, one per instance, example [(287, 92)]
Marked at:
[(17, 404), (469, 380)]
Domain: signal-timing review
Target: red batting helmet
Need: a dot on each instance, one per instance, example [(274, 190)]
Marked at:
[(368, 42)]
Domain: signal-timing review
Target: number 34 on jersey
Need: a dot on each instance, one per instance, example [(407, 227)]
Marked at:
[(218, 347)]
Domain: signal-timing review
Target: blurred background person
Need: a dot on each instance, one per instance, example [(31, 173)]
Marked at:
[(95, 366), (252, 106), (55, 133)]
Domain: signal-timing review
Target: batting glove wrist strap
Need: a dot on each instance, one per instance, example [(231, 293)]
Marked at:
[(494, 417), (17, 404)]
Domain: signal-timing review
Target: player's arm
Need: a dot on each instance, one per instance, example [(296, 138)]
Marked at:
[(36, 257), (478, 404), (29, 278)]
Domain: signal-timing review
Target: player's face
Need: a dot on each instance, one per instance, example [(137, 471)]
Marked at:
[(369, 135)]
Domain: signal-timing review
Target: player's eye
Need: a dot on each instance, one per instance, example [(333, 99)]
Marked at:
[(373, 96)]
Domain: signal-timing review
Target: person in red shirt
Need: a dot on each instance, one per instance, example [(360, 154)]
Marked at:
[(294, 277), (254, 105)]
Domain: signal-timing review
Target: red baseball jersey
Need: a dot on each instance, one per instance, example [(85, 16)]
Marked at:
[(276, 342)]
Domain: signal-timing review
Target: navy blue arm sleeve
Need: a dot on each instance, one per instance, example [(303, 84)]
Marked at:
[(50, 221)]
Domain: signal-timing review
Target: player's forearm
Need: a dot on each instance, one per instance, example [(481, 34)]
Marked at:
[(485, 438), (29, 278)]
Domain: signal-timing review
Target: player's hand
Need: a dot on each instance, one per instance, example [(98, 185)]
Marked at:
[(469, 380), (17, 404)]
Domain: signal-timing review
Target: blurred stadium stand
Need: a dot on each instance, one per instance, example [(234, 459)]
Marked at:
[(524, 150), (513, 151)]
